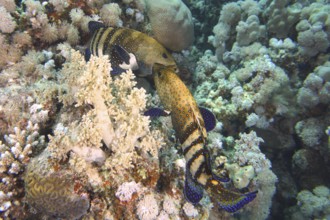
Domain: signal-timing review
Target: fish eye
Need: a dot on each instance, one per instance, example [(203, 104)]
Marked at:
[(164, 55)]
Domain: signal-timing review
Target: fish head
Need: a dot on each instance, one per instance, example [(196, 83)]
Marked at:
[(165, 57), (157, 54), (151, 56), (162, 73)]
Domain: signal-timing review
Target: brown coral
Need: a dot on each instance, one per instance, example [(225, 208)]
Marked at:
[(52, 192)]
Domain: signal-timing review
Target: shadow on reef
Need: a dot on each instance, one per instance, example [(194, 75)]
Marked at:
[(293, 176), (207, 10)]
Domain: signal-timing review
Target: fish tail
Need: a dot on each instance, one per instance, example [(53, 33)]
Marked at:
[(228, 200)]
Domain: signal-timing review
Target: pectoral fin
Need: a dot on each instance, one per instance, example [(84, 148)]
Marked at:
[(88, 54), (129, 59), (156, 112), (209, 118), (117, 70), (122, 53)]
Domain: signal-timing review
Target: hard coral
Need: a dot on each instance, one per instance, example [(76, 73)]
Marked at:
[(7, 23), (248, 152), (51, 191), (110, 14), (240, 176), (316, 87), (171, 23), (147, 208), (312, 205), (15, 155), (313, 29)]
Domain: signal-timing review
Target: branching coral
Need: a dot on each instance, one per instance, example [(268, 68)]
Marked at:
[(126, 190), (311, 132), (15, 155), (115, 122), (311, 204), (246, 32), (316, 87), (147, 208), (110, 14), (281, 16), (259, 83), (313, 29), (247, 152)]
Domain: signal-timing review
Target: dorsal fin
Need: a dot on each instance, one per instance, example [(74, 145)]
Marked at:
[(94, 26)]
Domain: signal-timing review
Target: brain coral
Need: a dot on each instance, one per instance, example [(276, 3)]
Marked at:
[(51, 192), (171, 23)]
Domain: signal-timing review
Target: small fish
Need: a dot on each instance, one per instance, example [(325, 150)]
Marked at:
[(191, 124), (127, 49)]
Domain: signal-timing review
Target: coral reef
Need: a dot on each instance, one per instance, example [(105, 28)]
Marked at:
[(315, 204), (279, 39), (75, 144)]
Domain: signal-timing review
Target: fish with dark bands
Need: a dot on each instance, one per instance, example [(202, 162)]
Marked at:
[(191, 124), (127, 49)]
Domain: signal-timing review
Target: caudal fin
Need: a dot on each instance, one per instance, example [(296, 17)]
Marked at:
[(237, 201), (228, 200)]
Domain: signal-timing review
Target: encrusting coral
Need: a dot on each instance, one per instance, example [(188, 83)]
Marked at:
[(240, 176)]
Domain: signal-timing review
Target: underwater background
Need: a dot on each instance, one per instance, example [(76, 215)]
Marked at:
[(75, 142)]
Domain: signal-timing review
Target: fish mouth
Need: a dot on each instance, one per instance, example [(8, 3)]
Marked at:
[(159, 67)]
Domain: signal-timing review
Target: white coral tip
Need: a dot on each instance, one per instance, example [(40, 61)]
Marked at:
[(5, 206)]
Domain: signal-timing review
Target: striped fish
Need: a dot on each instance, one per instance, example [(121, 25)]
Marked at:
[(127, 49), (191, 124)]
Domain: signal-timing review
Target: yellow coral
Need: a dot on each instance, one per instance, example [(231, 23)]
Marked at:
[(241, 176)]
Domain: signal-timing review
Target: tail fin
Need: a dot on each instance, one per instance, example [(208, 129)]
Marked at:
[(228, 200)]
